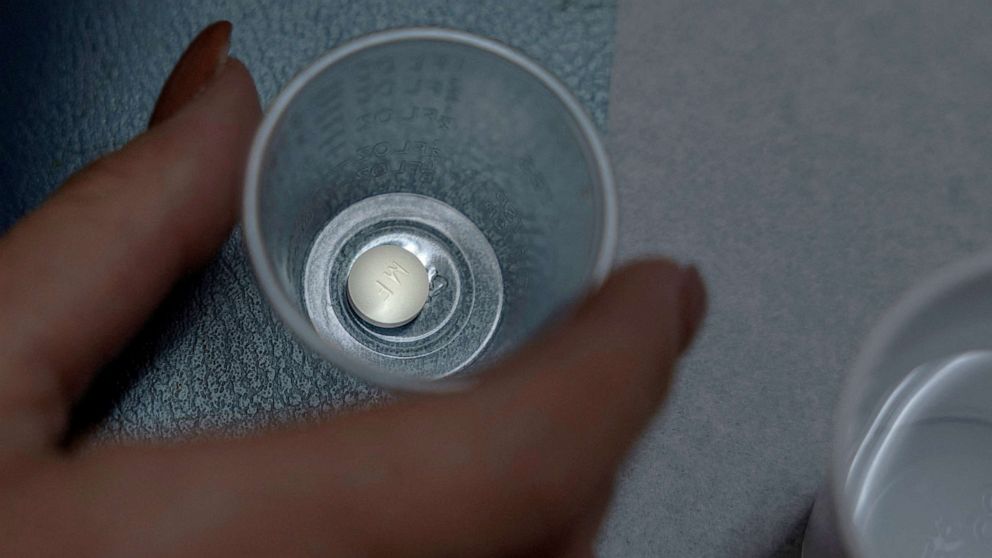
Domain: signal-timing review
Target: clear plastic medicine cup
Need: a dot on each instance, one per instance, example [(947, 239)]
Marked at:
[(911, 466), (459, 151)]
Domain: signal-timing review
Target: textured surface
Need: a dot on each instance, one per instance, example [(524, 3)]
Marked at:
[(815, 159), (80, 78)]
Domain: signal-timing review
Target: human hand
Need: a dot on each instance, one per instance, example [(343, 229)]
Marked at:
[(521, 465)]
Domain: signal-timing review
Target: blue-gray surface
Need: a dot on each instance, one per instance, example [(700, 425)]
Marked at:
[(80, 79), (815, 158)]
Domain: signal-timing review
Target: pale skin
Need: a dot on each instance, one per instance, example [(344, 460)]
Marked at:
[(522, 465)]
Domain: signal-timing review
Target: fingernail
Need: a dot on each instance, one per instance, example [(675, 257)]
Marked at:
[(203, 59), (693, 304)]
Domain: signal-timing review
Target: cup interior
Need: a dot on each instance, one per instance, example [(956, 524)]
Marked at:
[(454, 119)]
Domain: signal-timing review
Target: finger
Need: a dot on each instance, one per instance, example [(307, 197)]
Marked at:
[(202, 61), (503, 469), (580, 397), (584, 551), (80, 274)]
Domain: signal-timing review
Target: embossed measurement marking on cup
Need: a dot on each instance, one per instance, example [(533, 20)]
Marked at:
[(388, 286)]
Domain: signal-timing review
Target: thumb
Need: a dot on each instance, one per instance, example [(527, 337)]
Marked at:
[(513, 466), (573, 403), (627, 336), (521, 461)]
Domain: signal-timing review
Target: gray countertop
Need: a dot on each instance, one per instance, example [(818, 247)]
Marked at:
[(814, 159)]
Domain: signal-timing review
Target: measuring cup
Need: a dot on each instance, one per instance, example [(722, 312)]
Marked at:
[(459, 150), (911, 468)]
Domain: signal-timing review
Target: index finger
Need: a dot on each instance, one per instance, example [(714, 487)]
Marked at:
[(79, 275)]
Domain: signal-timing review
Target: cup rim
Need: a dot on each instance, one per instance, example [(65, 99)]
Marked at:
[(879, 341), (262, 264)]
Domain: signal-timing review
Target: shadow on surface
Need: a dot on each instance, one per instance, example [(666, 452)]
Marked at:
[(792, 546)]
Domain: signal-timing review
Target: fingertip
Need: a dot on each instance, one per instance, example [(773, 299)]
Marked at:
[(636, 295), (202, 61), (204, 146), (583, 392), (652, 281), (241, 80), (658, 296), (231, 96), (622, 341)]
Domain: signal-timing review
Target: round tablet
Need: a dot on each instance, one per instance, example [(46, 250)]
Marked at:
[(387, 286)]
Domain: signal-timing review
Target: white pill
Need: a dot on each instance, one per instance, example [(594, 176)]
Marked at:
[(387, 286)]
